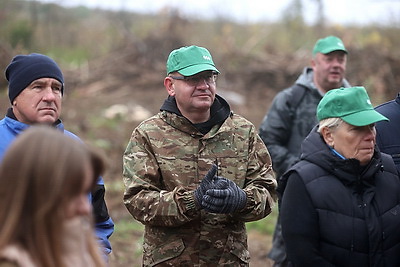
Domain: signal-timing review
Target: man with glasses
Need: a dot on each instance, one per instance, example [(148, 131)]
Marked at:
[(196, 172)]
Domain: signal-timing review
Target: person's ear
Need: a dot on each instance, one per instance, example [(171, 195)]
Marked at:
[(312, 62), (169, 85), (327, 134)]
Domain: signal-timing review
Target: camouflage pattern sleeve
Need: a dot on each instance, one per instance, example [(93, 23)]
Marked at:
[(260, 183), (167, 158), (146, 197)]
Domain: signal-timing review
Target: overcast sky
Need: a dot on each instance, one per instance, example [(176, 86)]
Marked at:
[(337, 11)]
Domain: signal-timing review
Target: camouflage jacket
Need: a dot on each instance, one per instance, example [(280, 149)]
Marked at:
[(165, 161)]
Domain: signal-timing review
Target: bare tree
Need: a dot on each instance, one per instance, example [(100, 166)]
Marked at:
[(320, 19)]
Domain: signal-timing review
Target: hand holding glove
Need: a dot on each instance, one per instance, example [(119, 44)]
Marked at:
[(224, 197), (205, 184)]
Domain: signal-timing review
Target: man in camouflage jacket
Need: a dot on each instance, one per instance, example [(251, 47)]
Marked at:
[(293, 114), (169, 154)]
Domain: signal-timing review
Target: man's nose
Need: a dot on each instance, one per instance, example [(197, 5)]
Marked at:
[(202, 83), (48, 94)]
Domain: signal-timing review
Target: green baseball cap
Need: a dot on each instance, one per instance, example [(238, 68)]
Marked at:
[(189, 60), (351, 105), (329, 44)]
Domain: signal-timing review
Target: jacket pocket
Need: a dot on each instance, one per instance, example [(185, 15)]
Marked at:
[(235, 251), (166, 251)]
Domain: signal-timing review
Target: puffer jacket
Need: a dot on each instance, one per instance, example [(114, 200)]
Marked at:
[(388, 132), (10, 128), (288, 121), (164, 162), (335, 212)]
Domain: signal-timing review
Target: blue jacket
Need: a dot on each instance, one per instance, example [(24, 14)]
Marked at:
[(388, 132), (10, 128)]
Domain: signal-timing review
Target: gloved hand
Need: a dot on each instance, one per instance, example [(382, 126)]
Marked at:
[(224, 197), (205, 184)]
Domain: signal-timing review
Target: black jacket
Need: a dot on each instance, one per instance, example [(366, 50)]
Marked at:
[(388, 132), (286, 124), (336, 213)]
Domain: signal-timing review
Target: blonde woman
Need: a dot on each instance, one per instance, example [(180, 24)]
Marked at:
[(46, 220)]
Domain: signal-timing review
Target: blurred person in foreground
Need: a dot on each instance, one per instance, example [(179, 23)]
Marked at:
[(196, 172), (46, 218), (388, 132), (35, 90), (341, 201), (292, 115)]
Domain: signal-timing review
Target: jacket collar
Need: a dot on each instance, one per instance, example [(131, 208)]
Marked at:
[(219, 111), (18, 126), (349, 171)]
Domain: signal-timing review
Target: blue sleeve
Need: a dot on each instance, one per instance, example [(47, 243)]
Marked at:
[(104, 225), (103, 231)]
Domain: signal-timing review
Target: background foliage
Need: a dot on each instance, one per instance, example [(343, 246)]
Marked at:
[(114, 64), (75, 36)]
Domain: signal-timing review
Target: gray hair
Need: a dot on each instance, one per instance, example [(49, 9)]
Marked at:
[(332, 123)]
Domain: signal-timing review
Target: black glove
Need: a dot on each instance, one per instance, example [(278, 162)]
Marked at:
[(205, 184), (224, 197)]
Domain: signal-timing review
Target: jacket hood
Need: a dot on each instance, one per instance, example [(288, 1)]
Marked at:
[(219, 112), (349, 171), (306, 79)]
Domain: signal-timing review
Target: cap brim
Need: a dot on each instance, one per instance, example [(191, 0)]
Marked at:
[(194, 69), (365, 117), (330, 50)]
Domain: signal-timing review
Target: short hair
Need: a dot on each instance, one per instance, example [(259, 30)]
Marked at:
[(332, 123)]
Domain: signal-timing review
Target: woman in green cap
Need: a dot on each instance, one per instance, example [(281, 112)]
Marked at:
[(341, 202)]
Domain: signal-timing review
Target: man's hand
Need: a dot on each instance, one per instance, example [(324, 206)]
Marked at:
[(206, 183), (224, 197)]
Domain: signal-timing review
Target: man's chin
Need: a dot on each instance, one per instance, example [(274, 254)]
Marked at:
[(47, 120), (336, 80), (203, 104)]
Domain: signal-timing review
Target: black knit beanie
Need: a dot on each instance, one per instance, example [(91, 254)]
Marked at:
[(24, 69)]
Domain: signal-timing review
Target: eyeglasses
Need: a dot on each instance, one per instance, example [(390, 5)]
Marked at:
[(196, 79)]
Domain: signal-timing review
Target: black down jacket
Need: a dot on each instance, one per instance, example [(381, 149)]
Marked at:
[(337, 213)]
